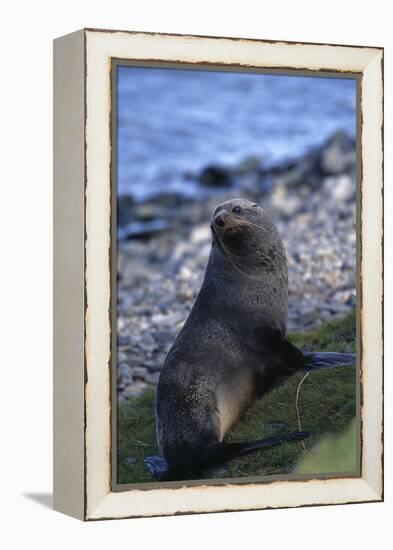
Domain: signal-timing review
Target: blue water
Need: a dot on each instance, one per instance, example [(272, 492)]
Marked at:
[(173, 122)]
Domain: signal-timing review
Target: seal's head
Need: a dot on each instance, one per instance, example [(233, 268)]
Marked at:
[(246, 236)]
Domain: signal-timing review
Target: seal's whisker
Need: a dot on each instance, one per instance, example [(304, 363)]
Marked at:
[(246, 222), (227, 254), (238, 268)]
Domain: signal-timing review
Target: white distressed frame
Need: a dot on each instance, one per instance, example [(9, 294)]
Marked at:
[(96, 500)]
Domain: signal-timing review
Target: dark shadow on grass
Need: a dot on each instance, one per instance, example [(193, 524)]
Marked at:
[(45, 499)]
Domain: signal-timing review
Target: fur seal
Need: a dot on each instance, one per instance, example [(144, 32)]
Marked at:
[(232, 348)]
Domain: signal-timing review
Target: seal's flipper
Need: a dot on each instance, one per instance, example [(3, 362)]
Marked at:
[(191, 464), (328, 360), (228, 451), (157, 466)]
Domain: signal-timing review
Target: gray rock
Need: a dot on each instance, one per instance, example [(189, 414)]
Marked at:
[(121, 356), (125, 209), (163, 336), (153, 366), (338, 308), (342, 188), (216, 176), (134, 390), (339, 155), (200, 234), (139, 372), (124, 374), (148, 339), (123, 339), (152, 377)]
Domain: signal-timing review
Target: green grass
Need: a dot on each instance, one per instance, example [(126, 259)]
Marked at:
[(327, 404), (332, 454)]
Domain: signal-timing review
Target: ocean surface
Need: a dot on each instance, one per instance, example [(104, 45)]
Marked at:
[(173, 123)]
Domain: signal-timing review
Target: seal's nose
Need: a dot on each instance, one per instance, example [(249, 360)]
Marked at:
[(219, 221)]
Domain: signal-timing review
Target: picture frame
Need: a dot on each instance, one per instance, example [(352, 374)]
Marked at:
[(85, 255)]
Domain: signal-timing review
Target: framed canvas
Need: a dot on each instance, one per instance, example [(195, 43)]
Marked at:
[(218, 269)]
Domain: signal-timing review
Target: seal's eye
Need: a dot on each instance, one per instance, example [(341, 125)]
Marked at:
[(236, 209)]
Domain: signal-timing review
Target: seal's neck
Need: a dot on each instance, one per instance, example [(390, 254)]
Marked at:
[(251, 299), (240, 273)]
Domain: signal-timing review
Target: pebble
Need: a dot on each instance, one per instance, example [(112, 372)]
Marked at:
[(134, 390), (162, 336), (342, 188), (123, 339), (152, 377), (200, 234), (124, 374), (139, 372)]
